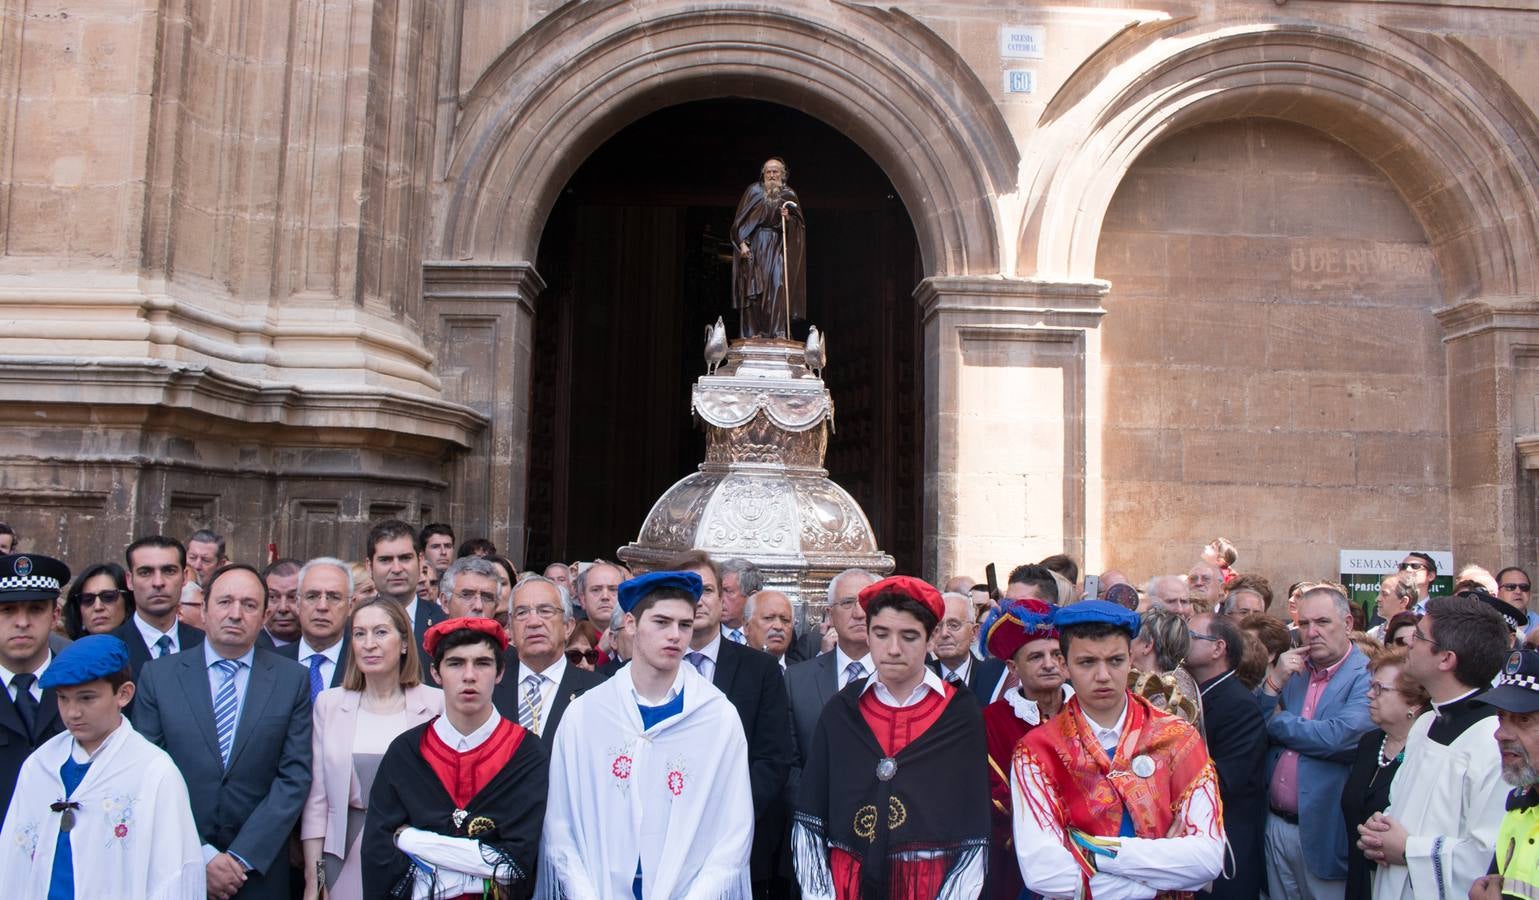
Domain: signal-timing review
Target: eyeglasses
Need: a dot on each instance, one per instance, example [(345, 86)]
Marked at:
[(331, 598), (575, 656), (1413, 567), (848, 603), (106, 598), (469, 596), (1416, 635), (1375, 688), (1199, 636), (544, 612), (1517, 587), (1401, 641)]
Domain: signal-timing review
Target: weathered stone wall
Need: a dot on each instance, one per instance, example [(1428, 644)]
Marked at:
[(1274, 370), (240, 243)]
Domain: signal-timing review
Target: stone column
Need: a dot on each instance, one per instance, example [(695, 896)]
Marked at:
[(1493, 427), (1012, 422), (481, 321)]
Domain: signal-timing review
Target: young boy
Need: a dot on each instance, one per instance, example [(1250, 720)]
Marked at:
[(99, 811), (457, 803), (649, 790), (1112, 797), (894, 798)]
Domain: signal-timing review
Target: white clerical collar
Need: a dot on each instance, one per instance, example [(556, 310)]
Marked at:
[(1109, 737), (555, 671), (1438, 707), (6, 674), (931, 681), (710, 650), (842, 661), (464, 743), (673, 691), (151, 634), (333, 653)]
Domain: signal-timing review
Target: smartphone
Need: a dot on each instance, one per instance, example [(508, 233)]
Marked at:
[(991, 577), (1092, 587)]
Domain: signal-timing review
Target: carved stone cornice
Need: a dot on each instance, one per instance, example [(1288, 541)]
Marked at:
[(1487, 314), (455, 280), (1073, 303), (28, 383)]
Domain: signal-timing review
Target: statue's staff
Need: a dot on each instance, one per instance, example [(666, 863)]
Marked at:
[(785, 260)]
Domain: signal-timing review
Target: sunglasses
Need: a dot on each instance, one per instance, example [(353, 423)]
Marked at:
[(1517, 587), (575, 656), (107, 598), (1413, 567)]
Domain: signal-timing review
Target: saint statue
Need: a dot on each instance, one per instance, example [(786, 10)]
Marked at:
[(769, 280)]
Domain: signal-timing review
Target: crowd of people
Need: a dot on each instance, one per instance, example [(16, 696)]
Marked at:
[(433, 722)]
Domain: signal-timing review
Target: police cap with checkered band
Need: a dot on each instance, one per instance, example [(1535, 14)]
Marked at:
[(29, 576), (1517, 688)]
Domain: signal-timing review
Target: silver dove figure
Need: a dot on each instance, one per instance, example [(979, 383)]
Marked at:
[(715, 345), (817, 351)]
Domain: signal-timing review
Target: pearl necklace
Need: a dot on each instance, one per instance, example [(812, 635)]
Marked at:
[(1399, 757)]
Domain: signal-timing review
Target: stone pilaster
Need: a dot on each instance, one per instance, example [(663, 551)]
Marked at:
[(481, 328), (1493, 424), (1012, 412)]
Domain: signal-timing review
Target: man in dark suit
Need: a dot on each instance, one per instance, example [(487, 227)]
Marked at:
[(953, 658), (1237, 743), (282, 626), (811, 684), (236, 721), (324, 594), (751, 679), (157, 569), (395, 562), (29, 715), (540, 682)]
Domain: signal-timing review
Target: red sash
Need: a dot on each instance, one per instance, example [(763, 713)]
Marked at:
[(1093, 790), (463, 775)]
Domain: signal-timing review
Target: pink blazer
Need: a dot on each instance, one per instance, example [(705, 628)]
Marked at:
[(333, 783)]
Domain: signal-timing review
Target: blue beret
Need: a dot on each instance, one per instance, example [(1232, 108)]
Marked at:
[(30, 576), (634, 590), (92, 657), (1087, 611)]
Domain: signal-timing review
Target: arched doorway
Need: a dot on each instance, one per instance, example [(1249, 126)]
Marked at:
[(634, 259)]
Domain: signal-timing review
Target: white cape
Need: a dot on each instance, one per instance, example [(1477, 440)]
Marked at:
[(677, 794), (134, 837), (1451, 801)]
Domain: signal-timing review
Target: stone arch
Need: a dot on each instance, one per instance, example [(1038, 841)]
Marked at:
[(1443, 127), (575, 79)]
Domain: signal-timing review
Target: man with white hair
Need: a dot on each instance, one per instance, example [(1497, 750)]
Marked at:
[(952, 647), (1205, 587), (810, 684), (325, 593), (1169, 592), (767, 622), (540, 680)]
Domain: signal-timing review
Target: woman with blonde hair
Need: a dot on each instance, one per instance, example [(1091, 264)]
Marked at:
[(1157, 674), (363, 585), (382, 695)]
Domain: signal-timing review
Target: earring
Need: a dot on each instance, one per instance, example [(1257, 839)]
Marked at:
[(1411, 714)]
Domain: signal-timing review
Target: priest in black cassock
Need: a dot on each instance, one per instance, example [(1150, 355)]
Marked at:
[(459, 801), (769, 280), (894, 798)]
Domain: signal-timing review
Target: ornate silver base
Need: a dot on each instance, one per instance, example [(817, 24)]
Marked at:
[(762, 493)]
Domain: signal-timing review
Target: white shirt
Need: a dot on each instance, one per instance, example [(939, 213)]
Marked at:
[(329, 658), (1108, 737), (550, 679), (710, 651), (277, 641), (842, 665), (411, 611), (961, 673), (726, 632), (464, 743), (6, 675), (152, 635), (931, 682)]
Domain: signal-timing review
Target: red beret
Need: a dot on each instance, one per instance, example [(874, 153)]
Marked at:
[(921, 591), (474, 623), (1016, 623)]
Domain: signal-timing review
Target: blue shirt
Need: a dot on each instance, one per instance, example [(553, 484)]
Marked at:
[(216, 677), (651, 715), (61, 882)]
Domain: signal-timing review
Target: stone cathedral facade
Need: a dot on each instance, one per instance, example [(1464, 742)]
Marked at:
[(1253, 268)]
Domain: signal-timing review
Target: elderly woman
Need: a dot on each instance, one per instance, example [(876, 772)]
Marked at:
[(98, 601), (1158, 652), (381, 696), (1395, 699), (582, 646)]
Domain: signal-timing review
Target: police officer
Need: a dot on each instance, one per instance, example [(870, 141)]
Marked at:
[(29, 715), (1515, 870)]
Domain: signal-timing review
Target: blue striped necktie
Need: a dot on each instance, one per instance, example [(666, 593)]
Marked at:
[(225, 706), (317, 683)]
